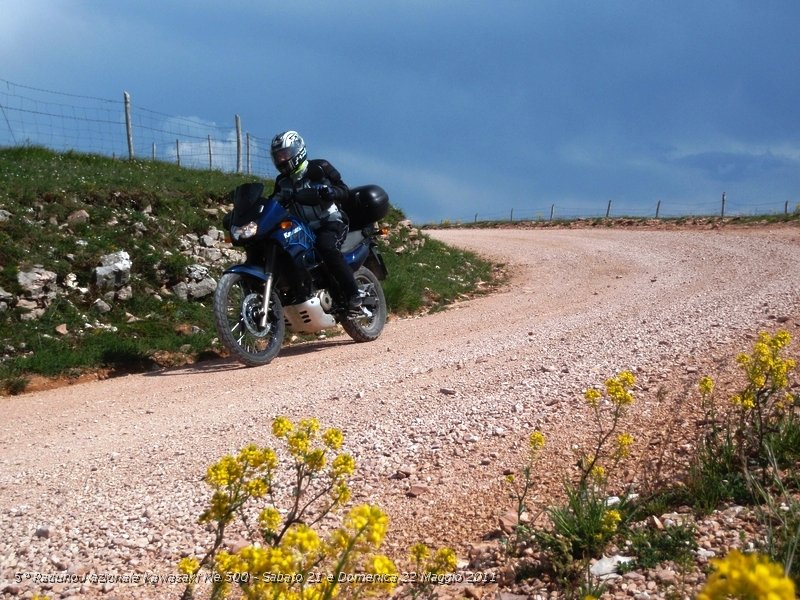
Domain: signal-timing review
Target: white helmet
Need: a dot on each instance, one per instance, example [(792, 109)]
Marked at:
[(289, 154)]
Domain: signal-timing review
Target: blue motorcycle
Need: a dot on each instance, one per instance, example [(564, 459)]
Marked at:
[(284, 285)]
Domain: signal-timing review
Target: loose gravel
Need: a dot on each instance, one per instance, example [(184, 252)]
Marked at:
[(103, 480)]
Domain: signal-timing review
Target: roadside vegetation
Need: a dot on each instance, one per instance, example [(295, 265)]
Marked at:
[(744, 451), (63, 212)]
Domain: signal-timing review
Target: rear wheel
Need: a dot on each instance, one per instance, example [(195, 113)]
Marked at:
[(366, 324), (238, 308)]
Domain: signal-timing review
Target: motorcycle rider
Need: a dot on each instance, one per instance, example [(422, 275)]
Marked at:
[(313, 190)]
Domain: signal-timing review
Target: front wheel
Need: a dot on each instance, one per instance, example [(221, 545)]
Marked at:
[(238, 308), (366, 324)]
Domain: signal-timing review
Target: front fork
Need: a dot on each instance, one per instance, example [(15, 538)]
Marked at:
[(269, 268)]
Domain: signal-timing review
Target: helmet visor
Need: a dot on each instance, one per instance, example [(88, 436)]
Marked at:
[(283, 159)]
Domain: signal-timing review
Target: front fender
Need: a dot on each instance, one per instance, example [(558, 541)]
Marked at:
[(250, 270)]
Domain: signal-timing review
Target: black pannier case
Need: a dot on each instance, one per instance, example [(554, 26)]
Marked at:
[(365, 205)]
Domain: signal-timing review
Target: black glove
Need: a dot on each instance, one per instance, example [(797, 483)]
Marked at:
[(307, 196)]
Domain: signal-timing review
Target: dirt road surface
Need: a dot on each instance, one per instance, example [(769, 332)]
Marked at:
[(105, 477)]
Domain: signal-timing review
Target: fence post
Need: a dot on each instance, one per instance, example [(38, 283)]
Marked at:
[(658, 208), (249, 169), (238, 144), (476, 217), (722, 214), (178, 151), (128, 126), (154, 150), (512, 215), (552, 210), (608, 210), (786, 208), (210, 154)]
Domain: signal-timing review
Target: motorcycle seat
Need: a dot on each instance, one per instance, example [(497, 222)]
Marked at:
[(352, 240)]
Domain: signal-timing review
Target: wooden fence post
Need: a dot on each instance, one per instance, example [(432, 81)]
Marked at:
[(249, 166), (658, 208), (722, 214), (608, 210), (552, 210), (210, 154), (238, 144), (128, 125), (178, 151)]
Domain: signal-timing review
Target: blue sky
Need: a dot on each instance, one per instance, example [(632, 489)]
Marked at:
[(460, 108)]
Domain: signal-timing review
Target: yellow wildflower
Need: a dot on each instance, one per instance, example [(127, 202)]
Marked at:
[(444, 561), (369, 521), (310, 426), (333, 438), (419, 552), (611, 519), (301, 538), (598, 473), (315, 460), (281, 427), (270, 519), (256, 488), (383, 566), (624, 443), (298, 443), (536, 441), (592, 397), (189, 565), (343, 465), (747, 576), (706, 386), (224, 472)]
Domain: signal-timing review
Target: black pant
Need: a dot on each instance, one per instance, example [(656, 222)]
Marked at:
[(330, 236)]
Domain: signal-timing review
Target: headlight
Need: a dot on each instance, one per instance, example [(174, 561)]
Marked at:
[(245, 231)]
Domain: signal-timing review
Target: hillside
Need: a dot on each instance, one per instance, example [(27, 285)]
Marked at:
[(108, 265)]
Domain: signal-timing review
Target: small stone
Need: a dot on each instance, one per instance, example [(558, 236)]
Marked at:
[(417, 490), (43, 532)]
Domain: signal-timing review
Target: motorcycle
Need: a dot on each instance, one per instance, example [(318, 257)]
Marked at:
[(284, 286)]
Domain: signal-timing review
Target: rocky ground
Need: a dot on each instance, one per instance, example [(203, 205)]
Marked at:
[(104, 478)]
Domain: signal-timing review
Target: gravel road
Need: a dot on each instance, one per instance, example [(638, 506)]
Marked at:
[(105, 477)]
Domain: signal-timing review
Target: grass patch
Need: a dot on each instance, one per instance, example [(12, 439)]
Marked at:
[(146, 208)]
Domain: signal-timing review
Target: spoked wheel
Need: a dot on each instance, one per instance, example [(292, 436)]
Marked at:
[(238, 308), (365, 324)]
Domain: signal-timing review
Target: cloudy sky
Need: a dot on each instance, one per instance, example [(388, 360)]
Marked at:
[(460, 108)]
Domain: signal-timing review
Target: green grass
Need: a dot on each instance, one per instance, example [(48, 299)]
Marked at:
[(145, 207)]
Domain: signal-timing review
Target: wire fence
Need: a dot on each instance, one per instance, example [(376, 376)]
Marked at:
[(722, 207), (121, 129)]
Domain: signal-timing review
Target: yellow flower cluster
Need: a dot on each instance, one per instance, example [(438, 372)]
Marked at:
[(624, 443), (706, 386), (611, 519), (368, 521), (617, 388), (536, 441), (442, 562), (750, 576), (617, 391), (289, 545), (765, 369), (189, 565)]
